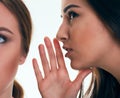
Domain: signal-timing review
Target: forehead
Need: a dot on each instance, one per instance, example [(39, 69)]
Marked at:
[(7, 19), (4, 13), (70, 1), (65, 3)]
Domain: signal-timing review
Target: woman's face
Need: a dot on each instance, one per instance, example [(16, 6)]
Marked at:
[(10, 48), (84, 37)]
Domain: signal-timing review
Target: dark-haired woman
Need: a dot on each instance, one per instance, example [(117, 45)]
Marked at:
[(90, 33)]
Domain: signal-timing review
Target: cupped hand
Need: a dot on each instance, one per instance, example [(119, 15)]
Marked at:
[(56, 82)]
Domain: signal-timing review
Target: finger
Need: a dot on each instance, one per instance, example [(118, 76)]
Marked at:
[(37, 71), (59, 55), (79, 79), (44, 60), (51, 53)]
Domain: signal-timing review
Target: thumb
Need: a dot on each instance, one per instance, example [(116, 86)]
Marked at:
[(80, 77)]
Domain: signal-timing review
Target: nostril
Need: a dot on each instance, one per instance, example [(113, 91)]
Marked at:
[(63, 39)]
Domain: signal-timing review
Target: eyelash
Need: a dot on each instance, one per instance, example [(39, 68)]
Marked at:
[(72, 15), (3, 39)]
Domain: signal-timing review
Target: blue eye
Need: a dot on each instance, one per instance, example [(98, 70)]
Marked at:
[(72, 15), (2, 39)]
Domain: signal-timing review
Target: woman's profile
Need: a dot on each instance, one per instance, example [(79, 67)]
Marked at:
[(90, 33)]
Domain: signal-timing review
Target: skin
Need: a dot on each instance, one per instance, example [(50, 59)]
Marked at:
[(56, 76), (11, 54), (88, 39), (88, 44)]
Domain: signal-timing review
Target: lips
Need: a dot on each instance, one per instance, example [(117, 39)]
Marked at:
[(69, 51)]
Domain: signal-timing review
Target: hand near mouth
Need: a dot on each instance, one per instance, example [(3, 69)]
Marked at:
[(56, 82)]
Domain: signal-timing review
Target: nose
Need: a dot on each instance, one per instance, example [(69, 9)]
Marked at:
[(62, 34)]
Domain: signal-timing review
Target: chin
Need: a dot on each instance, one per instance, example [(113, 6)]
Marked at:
[(78, 66), (75, 66)]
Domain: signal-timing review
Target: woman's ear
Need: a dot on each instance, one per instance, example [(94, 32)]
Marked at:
[(22, 59)]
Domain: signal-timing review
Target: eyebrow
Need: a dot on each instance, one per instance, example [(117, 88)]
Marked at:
[(5, 29), (68, 7)]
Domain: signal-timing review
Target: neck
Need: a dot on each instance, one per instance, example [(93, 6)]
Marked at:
[(112, 62), (7, 92), (115, 71)]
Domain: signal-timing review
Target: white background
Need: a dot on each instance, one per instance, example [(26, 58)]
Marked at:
[(46, 20)]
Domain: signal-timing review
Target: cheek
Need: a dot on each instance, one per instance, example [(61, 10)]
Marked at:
[(90, 45), (8, 68), (89, 37), (87, 54)]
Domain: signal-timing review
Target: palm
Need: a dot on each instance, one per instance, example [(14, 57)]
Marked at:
[(55, 85), (56, 82)]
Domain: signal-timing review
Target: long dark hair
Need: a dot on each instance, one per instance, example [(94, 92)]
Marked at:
[(21, 13), (105, 85)]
